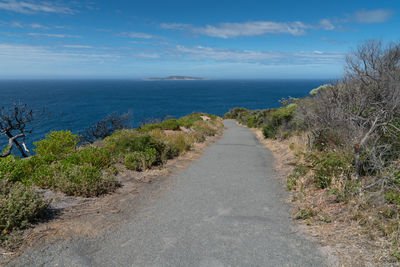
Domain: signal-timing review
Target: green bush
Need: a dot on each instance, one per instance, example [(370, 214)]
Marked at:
[(128, 141), (14, 169), (99, 157), (171, 124), (251, 121), (204, 128), (328, 165), (77, 180), (19, 206), (299, 171), (270, 131), (56, 145), (141, 160), (234, 113)]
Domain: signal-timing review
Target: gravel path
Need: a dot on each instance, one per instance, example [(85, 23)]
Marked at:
[(226, 209)]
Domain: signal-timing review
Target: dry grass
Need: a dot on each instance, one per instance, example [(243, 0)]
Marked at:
[(354, 231)]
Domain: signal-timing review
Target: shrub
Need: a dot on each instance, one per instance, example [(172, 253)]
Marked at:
[(128, 141), (180, 141), (331, 165), (234, 113), (320, 89), (204, 128), (141, 160), (251, 121), (87, 181), (19, 206), (171, 124), (14, 169), (99, 157), (56, 145), (270, 131)]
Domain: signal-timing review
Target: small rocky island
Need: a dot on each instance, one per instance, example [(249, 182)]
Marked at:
[(175, 78)]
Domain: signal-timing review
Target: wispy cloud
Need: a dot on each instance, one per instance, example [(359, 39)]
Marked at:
[(29, 6), (251, 28), (16, 24), (146, 55), (53, 35), (26, 54), (38, 26), (79, 46), (326, 24), (138, 35), (373, 16), (262, 57)]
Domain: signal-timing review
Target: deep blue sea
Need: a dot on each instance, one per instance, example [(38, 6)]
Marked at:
[(75, 104)]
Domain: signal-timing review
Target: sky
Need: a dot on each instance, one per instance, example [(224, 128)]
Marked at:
[(215, 39)]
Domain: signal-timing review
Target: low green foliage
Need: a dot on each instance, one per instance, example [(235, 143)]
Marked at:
[(271, 120), (393, 197), (269, 131), (19, 206), (56, 145), (77, 180), (14, 169), (141, 160), (204, 128), (305, 214), (329, 165), (99, 157), (396, 254)]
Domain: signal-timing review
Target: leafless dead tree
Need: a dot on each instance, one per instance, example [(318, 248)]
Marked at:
[(106, 127), (363, 109), (15, 124)]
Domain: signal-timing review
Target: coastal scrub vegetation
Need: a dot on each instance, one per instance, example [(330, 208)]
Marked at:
[(63, 163), (346, 139)]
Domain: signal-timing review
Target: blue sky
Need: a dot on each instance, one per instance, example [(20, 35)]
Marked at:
[(212, 39)]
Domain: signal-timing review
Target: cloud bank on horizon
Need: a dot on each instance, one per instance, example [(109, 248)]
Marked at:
[(137, 39)]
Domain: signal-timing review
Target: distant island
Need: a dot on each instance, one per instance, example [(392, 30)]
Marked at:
[(175, 78)]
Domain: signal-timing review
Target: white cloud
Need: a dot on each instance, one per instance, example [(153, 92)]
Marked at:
[(146, 55), (38, 26), (55, 35), (79, 46), (326, 24), (29, 6), (252, 28), (29, 54), (175, 26), (16, 24), (373, 16), (139, 35), (262, 57)]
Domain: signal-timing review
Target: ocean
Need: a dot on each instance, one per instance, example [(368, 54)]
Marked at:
[(75, 104)]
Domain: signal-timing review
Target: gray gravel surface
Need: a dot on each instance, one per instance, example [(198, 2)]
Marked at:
[(227, 209)]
